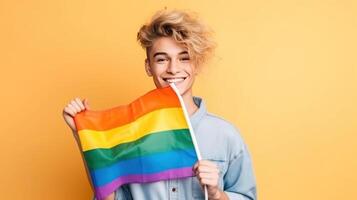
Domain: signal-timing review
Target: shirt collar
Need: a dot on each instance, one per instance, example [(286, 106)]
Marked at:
[(198, 114)]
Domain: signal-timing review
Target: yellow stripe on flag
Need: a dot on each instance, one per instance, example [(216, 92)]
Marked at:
[(151, 122)]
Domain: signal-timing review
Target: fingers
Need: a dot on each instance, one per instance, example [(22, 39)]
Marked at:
[(86, 103), (205, 175), (207, 169), (208, 181), (207, 172), (80, 103), (74, 106), (69, 111), (203, 164)]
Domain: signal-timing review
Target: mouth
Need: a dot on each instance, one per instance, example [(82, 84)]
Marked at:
[(174, 79)]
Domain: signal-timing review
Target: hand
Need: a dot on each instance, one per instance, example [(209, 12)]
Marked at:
[(75, 106), (207, 173)]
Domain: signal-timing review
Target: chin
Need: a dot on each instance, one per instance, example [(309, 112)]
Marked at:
[(183, 90)]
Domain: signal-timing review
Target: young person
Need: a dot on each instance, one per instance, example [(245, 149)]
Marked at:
[(177, 45)]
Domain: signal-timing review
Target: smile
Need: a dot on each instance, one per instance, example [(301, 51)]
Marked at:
[(174, 80)]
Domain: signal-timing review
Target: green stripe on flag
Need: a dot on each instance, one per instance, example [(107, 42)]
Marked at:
[(153, 143)]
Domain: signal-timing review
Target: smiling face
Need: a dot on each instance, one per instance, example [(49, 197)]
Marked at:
[(170, 62)]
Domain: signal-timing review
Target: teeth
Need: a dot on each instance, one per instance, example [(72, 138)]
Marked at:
[(174, 80)]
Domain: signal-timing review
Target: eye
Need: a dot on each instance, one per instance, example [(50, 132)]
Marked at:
[(160, 59), (185, 58)]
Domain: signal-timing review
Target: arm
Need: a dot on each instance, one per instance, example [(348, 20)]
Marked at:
[(239, 180)]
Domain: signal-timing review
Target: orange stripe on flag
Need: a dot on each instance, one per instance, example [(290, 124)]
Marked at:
[(121, 115)]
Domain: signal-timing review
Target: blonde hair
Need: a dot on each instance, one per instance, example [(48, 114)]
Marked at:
[(185, 28)]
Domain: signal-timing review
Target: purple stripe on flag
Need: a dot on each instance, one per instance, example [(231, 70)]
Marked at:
[(104, 191)]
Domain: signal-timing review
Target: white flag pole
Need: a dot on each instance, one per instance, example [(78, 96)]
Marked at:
[(190, 128)]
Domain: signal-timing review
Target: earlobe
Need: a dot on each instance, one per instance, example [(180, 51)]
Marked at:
[(147, 67)]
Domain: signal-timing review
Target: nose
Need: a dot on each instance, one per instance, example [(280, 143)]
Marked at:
[(173, 67)]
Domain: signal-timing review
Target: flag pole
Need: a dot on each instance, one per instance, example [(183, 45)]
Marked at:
[(173, 86)]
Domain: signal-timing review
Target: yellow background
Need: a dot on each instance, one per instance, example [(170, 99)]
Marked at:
[(284, 73)]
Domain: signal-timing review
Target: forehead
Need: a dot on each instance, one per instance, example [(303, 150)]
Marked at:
[(167, 45)]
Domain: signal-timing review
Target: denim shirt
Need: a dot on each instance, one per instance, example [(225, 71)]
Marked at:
[(218, 141)]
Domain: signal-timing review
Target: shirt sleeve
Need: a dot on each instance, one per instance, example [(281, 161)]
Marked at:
[(239, 180)]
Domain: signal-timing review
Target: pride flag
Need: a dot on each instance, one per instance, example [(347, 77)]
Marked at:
[(148, 140)]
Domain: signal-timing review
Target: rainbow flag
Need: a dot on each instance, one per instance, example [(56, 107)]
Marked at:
[(148, 140)]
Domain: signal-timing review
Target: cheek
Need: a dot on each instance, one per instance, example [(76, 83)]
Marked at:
[(156, 73), (158, 69), (190, 69)]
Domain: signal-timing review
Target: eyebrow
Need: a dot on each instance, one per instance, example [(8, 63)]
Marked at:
[(164, 53)]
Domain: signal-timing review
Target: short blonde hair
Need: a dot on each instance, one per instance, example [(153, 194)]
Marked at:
[(183, 26)]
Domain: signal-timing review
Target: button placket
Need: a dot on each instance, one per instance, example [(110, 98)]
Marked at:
[(173, 189)]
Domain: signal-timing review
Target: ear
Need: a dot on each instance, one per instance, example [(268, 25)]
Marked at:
[(147, 67)]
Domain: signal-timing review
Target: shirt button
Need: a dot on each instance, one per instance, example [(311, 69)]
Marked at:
[(173, 189)]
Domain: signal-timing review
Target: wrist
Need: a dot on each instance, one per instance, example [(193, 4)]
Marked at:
[(218, 195)]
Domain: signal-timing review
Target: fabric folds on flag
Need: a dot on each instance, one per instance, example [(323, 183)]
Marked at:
[(148, 140)]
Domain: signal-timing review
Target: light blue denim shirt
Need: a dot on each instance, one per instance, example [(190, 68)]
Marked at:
[(218, 141)]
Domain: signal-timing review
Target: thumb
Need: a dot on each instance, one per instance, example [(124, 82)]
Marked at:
[(86, 104)]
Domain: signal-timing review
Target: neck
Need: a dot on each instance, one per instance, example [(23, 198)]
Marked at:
[(189, 103)]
